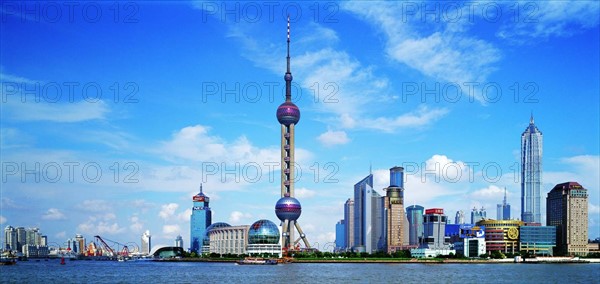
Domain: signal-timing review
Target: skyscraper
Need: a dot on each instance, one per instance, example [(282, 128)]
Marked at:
[(477, 215), (349, 219), (10, 238), (460, 217), (200, 219), (396, 222), (288, 208), (369, 218), (146, 242), (531, 173), (414, 214), (503, 210), (340, 235), (567, 209)]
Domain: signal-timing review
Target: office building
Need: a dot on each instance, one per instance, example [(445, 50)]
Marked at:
[(567, 209), (206, 239), (10, 238), (146, 243), (501, 235), (434, 241), (396, 225), (349, 220), (503, 210), (340, 236), (538, 240), (369, 218), (531, 173), (414, 213), (477, 215), (229, 239), (201, 218)]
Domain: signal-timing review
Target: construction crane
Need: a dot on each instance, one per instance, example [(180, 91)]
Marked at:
[(105, 246), (123, 252)]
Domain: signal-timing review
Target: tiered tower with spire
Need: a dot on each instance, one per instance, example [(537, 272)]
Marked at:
[(288, 208), (531, 173)]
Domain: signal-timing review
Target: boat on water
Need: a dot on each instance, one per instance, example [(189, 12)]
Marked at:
[(256, 261), (8, 261)]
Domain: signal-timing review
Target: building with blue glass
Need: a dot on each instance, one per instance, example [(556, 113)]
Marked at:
[(538, 240), (478, 215), (414, 213), (340, 235), (369, 219), (531, 173), (201, 218), (503, 210)]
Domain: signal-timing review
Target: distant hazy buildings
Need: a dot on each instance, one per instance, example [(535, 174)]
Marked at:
[(179, 241), (28, 242), (201, 218), (567, 209), (531, 173), (146, 243), (349, 223), (396, 225), (477, 215), (503, 210), (414, 213), (460, 217)]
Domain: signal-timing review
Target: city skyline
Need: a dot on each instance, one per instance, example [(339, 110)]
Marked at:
[(187, 112)]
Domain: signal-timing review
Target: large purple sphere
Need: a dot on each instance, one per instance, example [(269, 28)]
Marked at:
[(288, 113), (288, 208)]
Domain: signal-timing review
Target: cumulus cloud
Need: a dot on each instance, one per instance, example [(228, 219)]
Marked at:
[(332, 138), (171, 229), (303, 193), (54, 214), (95, 205), (236, 217), (491, 192), (135, 224), (168, 210), (2, 220)]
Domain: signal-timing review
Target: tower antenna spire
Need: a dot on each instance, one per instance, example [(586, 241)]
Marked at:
[(531, 118), (505, 196), (200, 187), (288, 73)]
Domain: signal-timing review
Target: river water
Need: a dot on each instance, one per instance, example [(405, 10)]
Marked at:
[(202, 272)]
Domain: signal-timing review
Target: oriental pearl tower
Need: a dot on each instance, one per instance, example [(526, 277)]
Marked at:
[(288, 208)]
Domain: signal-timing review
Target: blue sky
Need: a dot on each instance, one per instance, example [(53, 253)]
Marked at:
[(121, 116)]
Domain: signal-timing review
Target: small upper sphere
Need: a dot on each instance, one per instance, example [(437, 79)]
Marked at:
[(288, 113), (288, 208), (288, 77)]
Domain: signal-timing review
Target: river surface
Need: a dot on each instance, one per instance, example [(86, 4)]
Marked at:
[(81, 271)]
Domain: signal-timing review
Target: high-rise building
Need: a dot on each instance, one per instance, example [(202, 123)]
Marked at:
[(10, 238), (340, 235), (179, 241), (435, 242), (460, 217), (503, 210), (21, 238), (288, 208), (369, 220), (567, 209), (200, 219), (80, 240), (414, 213), (146, 243), (349, 226), (477, 215), (531, 173), (396, 224)]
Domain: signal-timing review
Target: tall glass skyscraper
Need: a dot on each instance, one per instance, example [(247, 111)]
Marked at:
[(369, 221), (415, 221), (200, 219), (531, 173)]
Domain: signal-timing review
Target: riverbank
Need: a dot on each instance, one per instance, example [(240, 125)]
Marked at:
[(399, 260)]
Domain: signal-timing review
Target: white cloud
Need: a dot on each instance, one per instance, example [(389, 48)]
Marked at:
[(547, 19), (332, 138), (2, 220), (54, 214), (57, 112), (60, 235), (95, 205), (437, 49), (171, 229), (303, 193), (236, 217), (593, 209), (492, 193), (185, 215), (101, 227), (419, 118), (168, 210), (136, 225)]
